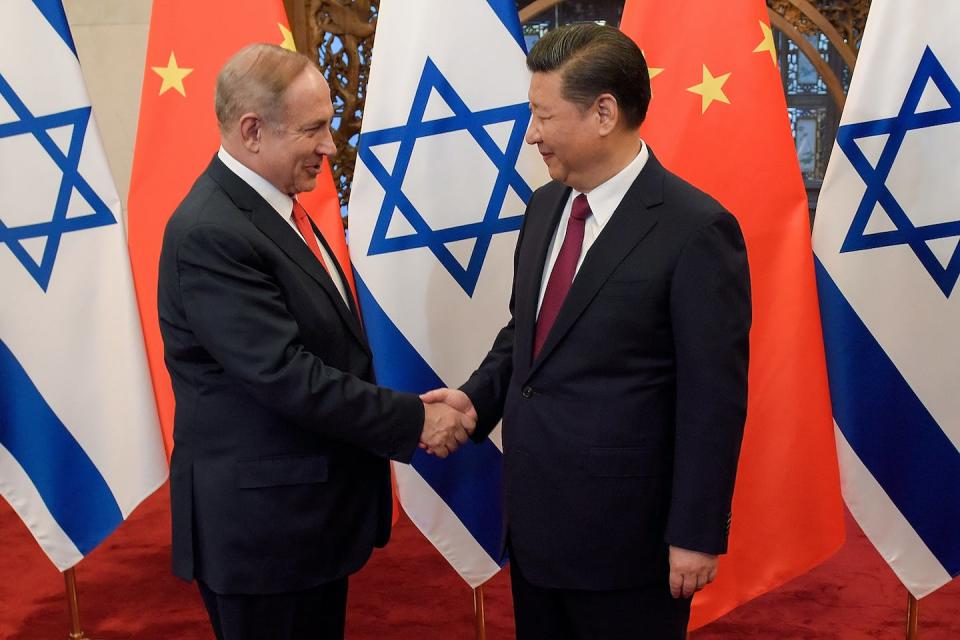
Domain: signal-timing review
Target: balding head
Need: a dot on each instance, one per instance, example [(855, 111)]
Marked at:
[(274, 110), (255, 80)]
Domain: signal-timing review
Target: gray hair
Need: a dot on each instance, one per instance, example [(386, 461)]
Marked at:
[(254, 80)]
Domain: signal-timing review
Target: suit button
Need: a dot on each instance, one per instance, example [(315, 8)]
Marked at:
[(527, 392)]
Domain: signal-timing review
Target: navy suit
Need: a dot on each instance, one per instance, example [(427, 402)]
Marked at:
[(280, 477), (622, 436)]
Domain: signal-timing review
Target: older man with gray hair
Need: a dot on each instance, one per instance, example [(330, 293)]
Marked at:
[(280, 482)]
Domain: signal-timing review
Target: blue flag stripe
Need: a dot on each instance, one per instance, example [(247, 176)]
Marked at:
[(52, 10), (889, 428), (70, 485), (478, 506), (506, 10)]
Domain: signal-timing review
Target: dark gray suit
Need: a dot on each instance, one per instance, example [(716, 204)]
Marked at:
[(622, 436), (279, 479)]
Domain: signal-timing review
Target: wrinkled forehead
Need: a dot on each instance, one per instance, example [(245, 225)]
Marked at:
[(308, 97)]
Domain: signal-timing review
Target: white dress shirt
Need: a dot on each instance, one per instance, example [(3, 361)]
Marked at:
[(603, 200), (283, 205)]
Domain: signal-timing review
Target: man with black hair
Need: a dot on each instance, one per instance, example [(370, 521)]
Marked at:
[(621, 377)]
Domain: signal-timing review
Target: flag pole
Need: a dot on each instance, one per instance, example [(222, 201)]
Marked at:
[(913, 616), (481, 624), (70, 578)]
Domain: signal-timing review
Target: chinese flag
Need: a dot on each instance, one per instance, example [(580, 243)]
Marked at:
[(177, 136), (718, 118)]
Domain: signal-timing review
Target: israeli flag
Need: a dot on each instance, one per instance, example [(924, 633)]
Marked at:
[(80, 443), (886, 244), (438, 196)]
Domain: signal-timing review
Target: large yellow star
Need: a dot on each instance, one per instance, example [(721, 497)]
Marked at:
[(767, 43), (172, 75), (710, 89), (287, 38)]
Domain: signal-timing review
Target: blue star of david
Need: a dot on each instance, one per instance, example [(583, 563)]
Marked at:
[(59, 224), (877, 192), (395, 200)]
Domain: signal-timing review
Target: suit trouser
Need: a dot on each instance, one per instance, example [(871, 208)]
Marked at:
[(572, 614), (314, 614)]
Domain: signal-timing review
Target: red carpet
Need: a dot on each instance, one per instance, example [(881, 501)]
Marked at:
[(407, 591)]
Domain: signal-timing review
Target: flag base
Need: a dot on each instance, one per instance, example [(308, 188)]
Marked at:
[(913, 617), (70, 580), (480, 622)]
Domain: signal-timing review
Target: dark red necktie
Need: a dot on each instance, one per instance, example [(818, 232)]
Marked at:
[(306, 230), (563, 271)]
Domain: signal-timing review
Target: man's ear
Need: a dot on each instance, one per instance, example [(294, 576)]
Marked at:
[(608, 113), (251, 128)]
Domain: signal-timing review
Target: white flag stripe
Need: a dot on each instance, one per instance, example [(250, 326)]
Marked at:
[(17, 487), (442, 527), (886, 527)]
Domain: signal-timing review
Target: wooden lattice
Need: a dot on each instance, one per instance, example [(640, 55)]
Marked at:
[(848, 16), (340, 34)]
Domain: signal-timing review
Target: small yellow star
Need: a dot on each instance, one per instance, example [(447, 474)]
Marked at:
[(172, 76), (653, 71), (287, 38), (767, 43), (710, 89)]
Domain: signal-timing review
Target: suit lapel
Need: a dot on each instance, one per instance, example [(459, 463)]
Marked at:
[(533, 262), (628, 225), (350, 301), (266, 219)]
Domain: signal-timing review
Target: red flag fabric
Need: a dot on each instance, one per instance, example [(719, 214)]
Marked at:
[(718, 118), (323, 207), (177, 136)]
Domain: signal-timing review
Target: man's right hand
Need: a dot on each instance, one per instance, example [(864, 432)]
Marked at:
[(454, 398), (444, 428)]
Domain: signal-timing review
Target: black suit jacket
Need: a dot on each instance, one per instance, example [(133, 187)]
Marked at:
[(279, 479), (622, 436)]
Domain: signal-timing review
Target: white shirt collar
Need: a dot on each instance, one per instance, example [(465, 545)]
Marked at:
[(606, 197), (274, 197)]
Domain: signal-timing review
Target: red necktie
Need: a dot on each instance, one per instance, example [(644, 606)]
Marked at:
[(563, 271), (306, 230)]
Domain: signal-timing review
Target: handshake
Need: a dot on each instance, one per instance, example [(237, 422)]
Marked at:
[(448, 421)]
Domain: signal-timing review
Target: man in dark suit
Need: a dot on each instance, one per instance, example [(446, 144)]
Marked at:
[(280, 481), (621, 377)]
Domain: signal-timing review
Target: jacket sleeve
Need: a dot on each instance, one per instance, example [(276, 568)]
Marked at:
[(711, 315), (236, 310), (487, 386)]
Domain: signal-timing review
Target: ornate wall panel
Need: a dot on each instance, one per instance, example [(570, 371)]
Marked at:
[(847, 16), (339, 34)]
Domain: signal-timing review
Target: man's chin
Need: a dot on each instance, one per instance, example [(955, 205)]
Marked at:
[(307, 184), (556, 173)]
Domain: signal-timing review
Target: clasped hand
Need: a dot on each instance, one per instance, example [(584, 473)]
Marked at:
[(448, 421)]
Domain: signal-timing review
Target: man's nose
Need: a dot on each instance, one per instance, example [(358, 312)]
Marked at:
[(533, 134), (327, 146)]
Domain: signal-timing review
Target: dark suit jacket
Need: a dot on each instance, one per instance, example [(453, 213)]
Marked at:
[(623, 435), (279, 479)]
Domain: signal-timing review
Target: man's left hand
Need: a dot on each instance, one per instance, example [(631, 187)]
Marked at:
[(690, 571)]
